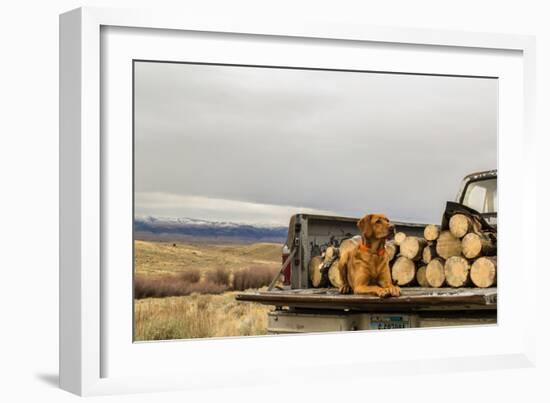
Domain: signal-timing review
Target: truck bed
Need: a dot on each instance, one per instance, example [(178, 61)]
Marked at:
[(412, 299)]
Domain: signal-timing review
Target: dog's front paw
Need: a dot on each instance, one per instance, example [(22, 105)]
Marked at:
[(345, 289), (383, 292), (394, 290)]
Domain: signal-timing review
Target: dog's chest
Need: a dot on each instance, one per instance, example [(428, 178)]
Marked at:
[(371, 263)]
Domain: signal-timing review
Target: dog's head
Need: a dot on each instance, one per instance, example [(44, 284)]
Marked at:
[(375, 226)]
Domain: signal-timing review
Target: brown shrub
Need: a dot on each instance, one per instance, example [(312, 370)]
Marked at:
[(253, 277), (156, 287), (173, 286), (215, 282), (190, 276), (219, 276)]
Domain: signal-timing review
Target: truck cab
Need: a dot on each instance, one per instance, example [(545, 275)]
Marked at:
[(479, 192), (300, 308)]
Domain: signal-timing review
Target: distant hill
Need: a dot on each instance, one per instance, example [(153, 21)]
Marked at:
[(190, 229)]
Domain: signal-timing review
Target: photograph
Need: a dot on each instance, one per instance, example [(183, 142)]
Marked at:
[(271, 200)]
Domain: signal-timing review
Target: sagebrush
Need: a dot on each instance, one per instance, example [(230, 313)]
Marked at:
[(213, 282)]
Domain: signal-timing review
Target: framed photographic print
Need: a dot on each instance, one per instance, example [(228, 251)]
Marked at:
[(231, 191)]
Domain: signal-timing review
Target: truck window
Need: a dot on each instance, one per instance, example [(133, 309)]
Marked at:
[(482, 196)]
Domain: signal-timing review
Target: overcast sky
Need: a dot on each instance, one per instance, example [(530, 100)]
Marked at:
[(256, 145)]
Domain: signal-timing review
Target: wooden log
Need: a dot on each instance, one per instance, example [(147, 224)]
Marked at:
[(391, 250), (334, 275), (314, 267), (421, 277), (431, 232), (435, 272), (448, 245), (399, 238), (412, 247), (428, 253), (329, 253), (484, 271), (457, 270), (475, 245), (403, 271), (460, 225)]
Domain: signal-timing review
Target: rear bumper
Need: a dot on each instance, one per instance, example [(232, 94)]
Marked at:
[(296, 321)]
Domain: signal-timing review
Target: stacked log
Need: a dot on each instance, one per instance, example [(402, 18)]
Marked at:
[(457, 271), (460, 225), (314, 267), (421, 277), (435, 272), (475, 245), (317, 262), (431, 232), (429, 253), (399, 238), (460, 255), (334, 275), (448, 245), (391, 250), (403, 271), (484, 272), (412, 247)]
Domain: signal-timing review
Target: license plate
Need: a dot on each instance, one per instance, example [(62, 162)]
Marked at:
[(390, 322)]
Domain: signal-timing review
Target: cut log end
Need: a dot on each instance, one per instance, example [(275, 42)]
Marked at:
[(391, 250), (421, 277), (334, 275), (474, 245), (471, 245), (399, 238), (403, 271), (315, 270), (457, 271), (412, 247), (435, 273), (448, 245), (460, 225), (484, 272), (431, 232), (428, 254)]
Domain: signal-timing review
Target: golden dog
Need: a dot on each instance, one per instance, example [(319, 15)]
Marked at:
[(364, 266)]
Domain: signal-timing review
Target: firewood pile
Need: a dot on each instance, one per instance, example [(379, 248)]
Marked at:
[(462, 255)]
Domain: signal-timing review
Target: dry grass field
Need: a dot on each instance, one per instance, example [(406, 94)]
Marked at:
[(165, 258), (198, 315), (187, 290)]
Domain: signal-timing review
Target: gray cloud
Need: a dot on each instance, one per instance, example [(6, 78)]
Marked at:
[(335, 141)]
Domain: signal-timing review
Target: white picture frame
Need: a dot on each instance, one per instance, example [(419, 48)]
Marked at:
[(96, 357)]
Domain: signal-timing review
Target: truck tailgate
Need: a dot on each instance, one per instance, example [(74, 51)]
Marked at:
[(412, 299)]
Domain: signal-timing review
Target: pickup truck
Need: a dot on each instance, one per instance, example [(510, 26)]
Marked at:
[(300, 308)]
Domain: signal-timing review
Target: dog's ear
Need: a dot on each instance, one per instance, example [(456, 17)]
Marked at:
[(365, 226)]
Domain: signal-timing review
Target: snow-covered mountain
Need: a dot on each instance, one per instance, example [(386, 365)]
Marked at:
[(190, 228)]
